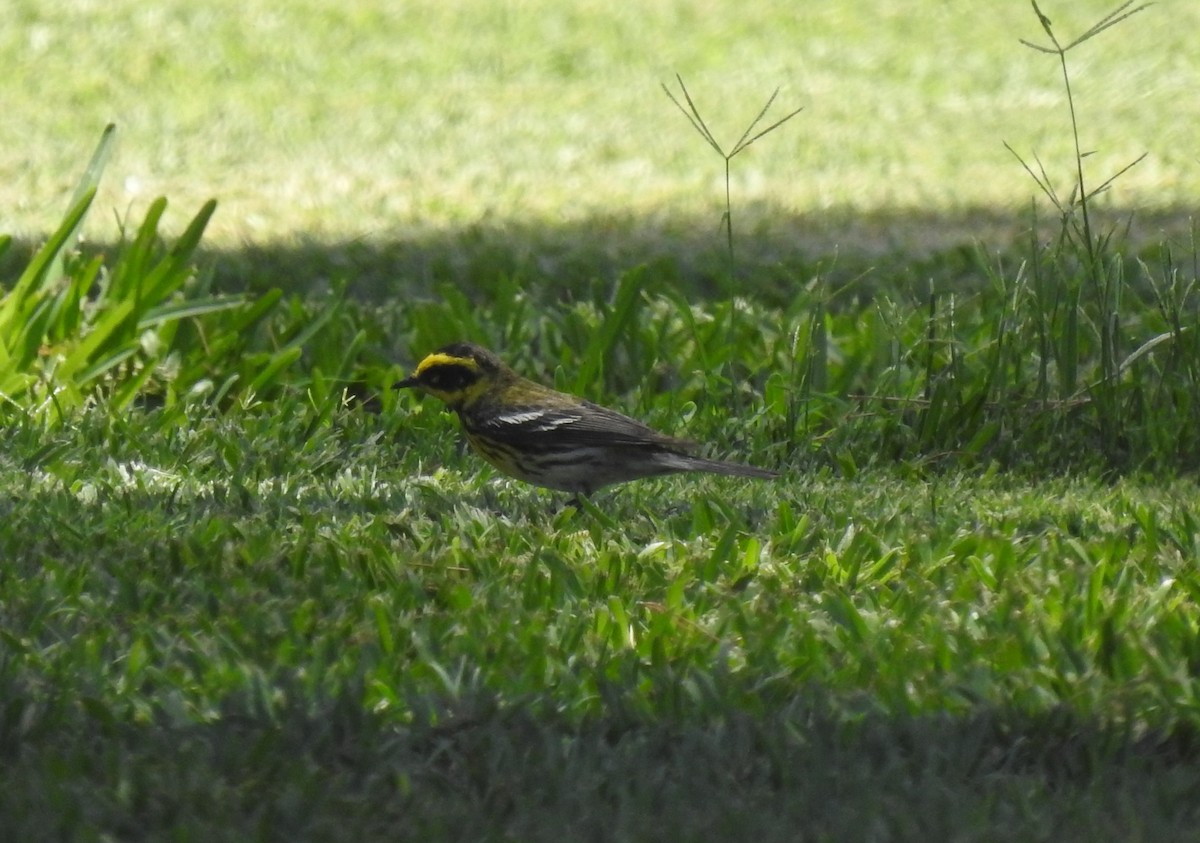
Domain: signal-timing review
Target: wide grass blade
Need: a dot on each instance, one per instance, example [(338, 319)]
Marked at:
[(613, 322), (23, 297), (88, 183)]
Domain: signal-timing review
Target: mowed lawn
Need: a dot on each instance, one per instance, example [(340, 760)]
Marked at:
[(375, 120), (249, 592)]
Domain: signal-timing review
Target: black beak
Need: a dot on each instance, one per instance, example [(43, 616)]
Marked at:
[(405, 384)]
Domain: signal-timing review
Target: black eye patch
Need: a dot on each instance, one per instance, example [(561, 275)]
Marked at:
[(449, 378)]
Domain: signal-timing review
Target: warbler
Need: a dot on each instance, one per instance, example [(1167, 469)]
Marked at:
[(549, 438)]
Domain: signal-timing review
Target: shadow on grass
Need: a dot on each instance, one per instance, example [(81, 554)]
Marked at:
[(801, 773), (774, 251)]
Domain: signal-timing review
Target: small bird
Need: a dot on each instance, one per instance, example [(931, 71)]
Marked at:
[(549, 438)]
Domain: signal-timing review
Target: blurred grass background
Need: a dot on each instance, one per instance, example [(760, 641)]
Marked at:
[(544, 124)]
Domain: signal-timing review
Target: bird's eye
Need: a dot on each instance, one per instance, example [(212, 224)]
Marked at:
[(450, 378)]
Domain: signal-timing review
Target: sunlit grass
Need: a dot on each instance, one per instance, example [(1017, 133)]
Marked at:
[(369, 119)]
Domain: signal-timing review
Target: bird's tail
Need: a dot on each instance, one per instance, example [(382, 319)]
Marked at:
[(686, 462)]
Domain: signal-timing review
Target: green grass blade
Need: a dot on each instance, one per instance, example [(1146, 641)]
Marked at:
[(17, 300), (103, 339), (283, 359), (613, 323), (174, 269), (88, 182), (187, 310), (129, 275), (110, 361)]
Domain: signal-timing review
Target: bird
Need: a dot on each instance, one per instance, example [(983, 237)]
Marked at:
[(550, 438)]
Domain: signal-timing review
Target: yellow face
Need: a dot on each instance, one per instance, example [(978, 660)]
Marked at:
[(454, 378)]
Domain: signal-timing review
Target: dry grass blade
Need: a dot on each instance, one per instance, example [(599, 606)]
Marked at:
[(743, 143), (693, 115), (1111, 19)]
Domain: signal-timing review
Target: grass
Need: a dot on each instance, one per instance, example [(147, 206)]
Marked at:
[(351, 122), (250, 592), (236, 630)]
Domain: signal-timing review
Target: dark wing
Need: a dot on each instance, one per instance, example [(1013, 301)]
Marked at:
[(565, 426)]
